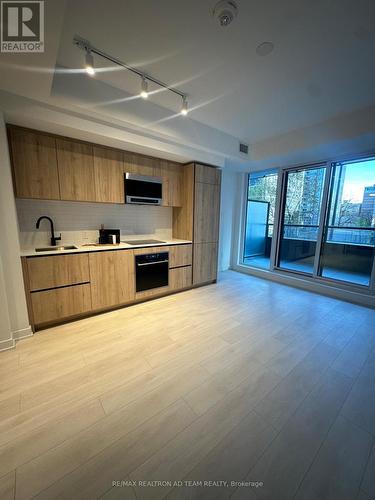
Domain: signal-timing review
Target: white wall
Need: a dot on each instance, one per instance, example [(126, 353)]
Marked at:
[(6, 339), (229, 195), (11, 280)]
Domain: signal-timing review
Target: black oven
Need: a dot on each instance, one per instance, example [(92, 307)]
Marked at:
[(151, 271)]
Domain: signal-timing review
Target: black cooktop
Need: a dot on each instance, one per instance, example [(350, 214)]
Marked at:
[(143, 242)]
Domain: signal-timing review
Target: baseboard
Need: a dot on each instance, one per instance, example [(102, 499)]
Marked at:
[(5, 345), (353, 297), (23, 333)]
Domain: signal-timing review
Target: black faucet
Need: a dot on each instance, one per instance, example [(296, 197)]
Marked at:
[(54, 238)]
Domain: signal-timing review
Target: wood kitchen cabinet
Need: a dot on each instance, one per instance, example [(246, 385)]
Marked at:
[(180, 255), (76, 170), (207, 184), (205, 262), (65, 286), (57, 287), (58, 168), (172, 184), (34, 164), (170, 172), (59, 303), (208, 175), (108, 175), (112, 278), (206, 212), (142, 165), (57, 271), (182, 217), (180, 277)]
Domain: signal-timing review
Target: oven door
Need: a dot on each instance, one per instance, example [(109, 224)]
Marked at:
[(151, 272)]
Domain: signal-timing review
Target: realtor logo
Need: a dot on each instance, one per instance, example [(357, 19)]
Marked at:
[(22, 26)]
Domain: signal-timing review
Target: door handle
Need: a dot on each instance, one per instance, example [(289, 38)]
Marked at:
[(152, 263)]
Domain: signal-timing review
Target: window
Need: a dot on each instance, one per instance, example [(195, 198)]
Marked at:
[(326, 222), (349, 235), (260, 215), (300, 219)]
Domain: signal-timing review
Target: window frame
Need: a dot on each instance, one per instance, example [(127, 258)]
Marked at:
[(279, 210)]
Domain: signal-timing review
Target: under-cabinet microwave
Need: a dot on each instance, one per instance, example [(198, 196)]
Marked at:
[(143, 189)]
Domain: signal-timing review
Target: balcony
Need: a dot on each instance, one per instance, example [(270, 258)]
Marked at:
[(347, 254)]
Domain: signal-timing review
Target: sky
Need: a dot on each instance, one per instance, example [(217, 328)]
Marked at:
[(357, 177)]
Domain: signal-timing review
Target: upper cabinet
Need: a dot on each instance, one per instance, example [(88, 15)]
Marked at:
[(208, 175), (172, 184), (183, 223), (142, 165), (35, 164), (109, 175), (57, 168), (76, 170), (170, 172)]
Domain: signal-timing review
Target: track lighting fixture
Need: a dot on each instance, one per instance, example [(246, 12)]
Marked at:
[(89, 63), (144, 88), (184, 109), (145, 79)]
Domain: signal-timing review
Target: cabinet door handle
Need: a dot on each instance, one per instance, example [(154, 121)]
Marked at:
[(152, 263)]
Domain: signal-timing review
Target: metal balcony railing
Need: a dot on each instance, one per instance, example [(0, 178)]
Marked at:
[(341, 235)]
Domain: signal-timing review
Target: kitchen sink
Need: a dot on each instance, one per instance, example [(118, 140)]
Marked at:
[(57, 249)]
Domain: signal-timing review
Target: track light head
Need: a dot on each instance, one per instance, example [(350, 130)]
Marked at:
[(144, 88), (89, 63), (184, 109)]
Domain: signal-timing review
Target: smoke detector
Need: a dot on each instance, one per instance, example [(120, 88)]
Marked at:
[(225, 11)]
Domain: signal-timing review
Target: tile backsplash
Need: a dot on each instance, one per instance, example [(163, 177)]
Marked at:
[(79, 222)]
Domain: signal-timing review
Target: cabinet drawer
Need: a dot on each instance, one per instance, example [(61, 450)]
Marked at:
[(57, 270), (180, 255), (53, 305), (180, 277)]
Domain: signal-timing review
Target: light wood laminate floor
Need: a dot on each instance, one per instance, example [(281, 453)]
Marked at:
[(246, 380)]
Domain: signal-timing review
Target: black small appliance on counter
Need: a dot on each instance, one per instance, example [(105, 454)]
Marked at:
[(109, 236)]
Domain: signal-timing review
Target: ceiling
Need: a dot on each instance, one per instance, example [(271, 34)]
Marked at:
[(320, 71), (322, 64)]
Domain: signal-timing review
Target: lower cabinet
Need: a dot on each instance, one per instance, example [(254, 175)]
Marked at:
[(59, 287), (56, 271), (180, 255), (205, 262), (180, 277), (60, 303), (112, 278)]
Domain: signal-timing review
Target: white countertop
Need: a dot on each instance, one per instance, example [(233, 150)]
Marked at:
[(95, 248)]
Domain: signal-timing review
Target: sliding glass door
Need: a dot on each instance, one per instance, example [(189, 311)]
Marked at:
[(325, 220), (349, 234), (300, 218), (259, 222)]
